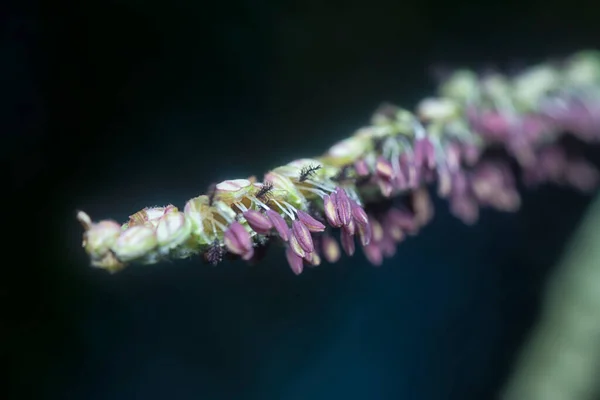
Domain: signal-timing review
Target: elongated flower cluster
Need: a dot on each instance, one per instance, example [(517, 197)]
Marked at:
[(372, 188)]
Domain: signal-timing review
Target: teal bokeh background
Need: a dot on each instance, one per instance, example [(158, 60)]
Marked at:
[(139, 103)]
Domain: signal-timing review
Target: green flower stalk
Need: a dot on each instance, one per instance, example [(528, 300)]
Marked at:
[(372, 187)]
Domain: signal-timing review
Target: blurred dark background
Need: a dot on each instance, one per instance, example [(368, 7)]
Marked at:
[(110, 106)]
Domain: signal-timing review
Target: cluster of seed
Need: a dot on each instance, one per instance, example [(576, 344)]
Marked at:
[(372, 186)]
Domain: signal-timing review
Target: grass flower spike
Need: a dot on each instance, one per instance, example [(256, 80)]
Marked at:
[(472, 142)]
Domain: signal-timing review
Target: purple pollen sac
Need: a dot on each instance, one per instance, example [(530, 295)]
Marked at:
[(343, 207), (313, 259), (361, 167), (347, 242), (402, 179), (386, 178), (492, 125), (376, 230), (259, 222), (279, 224), (385, 187), (350, 228), (364, 234), (465, 208), (302, 235), (374, 254), (453, 157), (384, 169), (424, 153), (295, 245), (329, 208), (394, 232), (311, 223), (238, 241), (388, 247), (359, 214), (295, 261), (470, 153), (331, 249), (403, 219)]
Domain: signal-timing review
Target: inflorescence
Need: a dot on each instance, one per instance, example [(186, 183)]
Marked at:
[(371, 188)]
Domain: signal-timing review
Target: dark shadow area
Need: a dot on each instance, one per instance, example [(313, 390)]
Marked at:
[(116, 105)]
